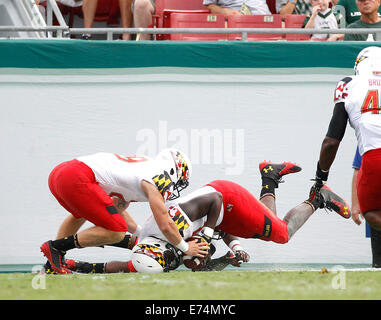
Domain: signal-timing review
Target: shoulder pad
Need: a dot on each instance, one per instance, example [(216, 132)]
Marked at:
[(341, 91)]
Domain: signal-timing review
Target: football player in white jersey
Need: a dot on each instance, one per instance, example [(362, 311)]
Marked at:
[(357, 99), (225, 207), (152, 253), (99, 187)]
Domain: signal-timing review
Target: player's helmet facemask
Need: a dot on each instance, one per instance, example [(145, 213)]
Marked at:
[(177, 188), (172, 257)]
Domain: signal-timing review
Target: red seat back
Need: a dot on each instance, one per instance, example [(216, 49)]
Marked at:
[(164, 8), (255, 21), (295, 21), (197, 20)]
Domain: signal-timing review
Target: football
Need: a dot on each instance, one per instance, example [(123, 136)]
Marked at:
[(195, 263)]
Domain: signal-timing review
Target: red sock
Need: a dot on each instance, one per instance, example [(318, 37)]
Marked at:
[(131, 267)]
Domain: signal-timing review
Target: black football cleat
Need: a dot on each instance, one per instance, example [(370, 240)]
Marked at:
[(55, 258), (326, 198), (47, 268), (276, 171)]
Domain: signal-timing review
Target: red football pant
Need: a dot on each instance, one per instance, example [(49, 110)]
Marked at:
[(74, 186), (369, 181), (246, 217)]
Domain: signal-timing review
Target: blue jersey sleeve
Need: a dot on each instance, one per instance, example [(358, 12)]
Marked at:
[(357, 160)]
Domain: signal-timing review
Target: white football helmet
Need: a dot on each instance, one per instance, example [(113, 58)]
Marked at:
[(153, 255), (179, 169), (368, 62)]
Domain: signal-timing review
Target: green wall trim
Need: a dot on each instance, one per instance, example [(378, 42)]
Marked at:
[(74, 54)]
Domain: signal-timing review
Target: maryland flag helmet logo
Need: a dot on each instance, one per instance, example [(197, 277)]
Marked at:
[(178, 167), (153, 255), (164, 184), (152, 251)]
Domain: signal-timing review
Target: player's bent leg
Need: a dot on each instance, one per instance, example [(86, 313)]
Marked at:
[(269, 201), (97, 236), (373, 217), (70, 226), (85, 267), (272, 174), (323, 198), (297, 216), (274, 229), (119, 266), (107, 267), (128, 242)]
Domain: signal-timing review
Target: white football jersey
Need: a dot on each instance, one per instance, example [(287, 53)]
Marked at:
[(186, 227), (324, 20), (122, 176), (361, 97)]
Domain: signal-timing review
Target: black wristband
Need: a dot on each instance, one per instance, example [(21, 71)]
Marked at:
[(320, 174)]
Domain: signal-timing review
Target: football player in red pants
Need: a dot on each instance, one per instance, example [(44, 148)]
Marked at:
[(357, 101), (87, 186), (229, 208)]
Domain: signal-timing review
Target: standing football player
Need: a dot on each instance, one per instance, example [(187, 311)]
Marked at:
[(357, 99), (85, 187)]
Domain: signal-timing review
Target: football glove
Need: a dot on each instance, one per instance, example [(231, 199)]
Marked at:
[(241, 256), (321, 178)]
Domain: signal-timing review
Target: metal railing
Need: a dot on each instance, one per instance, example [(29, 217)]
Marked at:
[(52, 7), (243, 31), (65, 31)]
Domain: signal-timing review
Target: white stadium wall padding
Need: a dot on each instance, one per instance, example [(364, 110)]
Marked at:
[(227, 119)]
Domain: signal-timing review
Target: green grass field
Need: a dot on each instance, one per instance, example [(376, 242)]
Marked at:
[(186, 285)]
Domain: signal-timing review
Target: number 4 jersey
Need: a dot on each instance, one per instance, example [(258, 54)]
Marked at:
[(361, 98), (122, 176)]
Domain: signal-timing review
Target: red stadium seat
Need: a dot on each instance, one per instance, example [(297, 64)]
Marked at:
[(255, 21), (197, 20), (164, 9), (295, 21), (166, 19)]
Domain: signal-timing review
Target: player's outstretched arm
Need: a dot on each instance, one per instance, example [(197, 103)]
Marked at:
[(328, 152), (166, 224), (331, 142)]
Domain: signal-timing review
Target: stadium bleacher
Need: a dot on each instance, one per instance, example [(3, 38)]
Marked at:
[(193, 14), (197, 20), (255, 21), (178, 14), (295, 21)]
